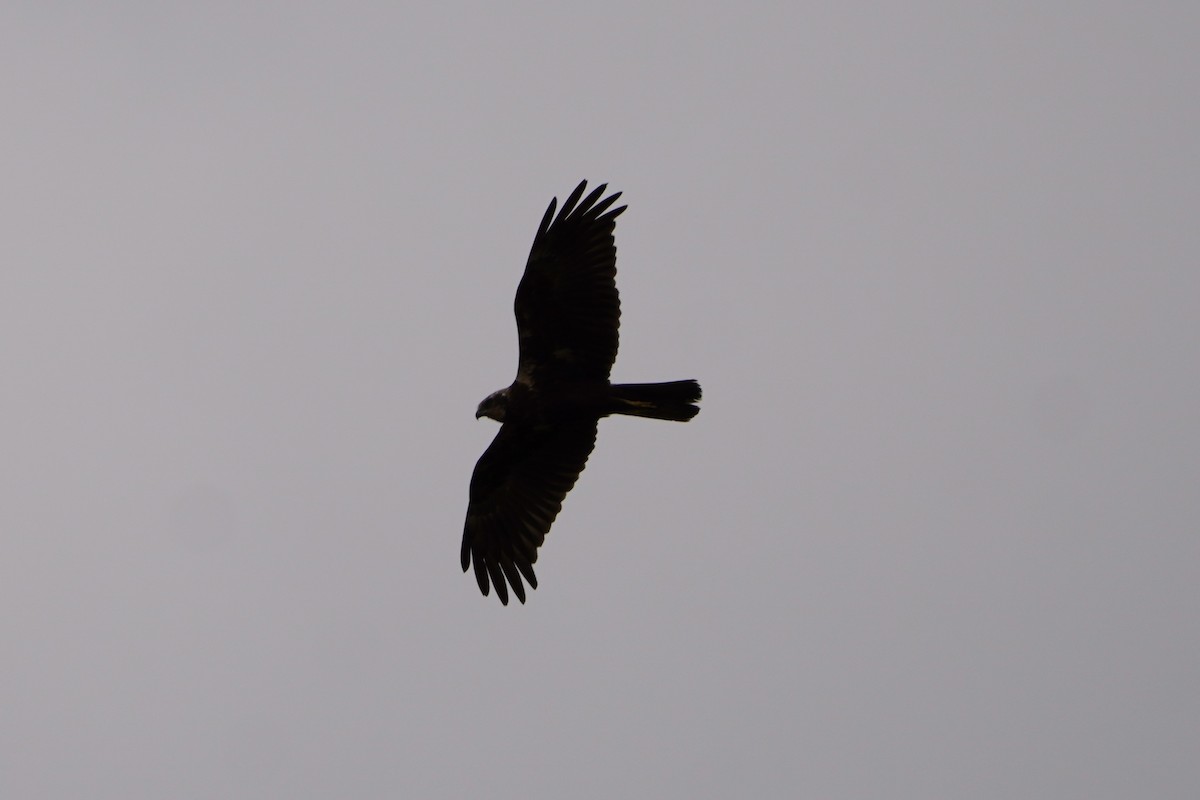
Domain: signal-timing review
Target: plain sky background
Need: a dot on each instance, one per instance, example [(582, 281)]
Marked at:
[(933, 535)]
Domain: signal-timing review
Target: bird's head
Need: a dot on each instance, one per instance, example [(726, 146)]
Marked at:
[(493, 406)]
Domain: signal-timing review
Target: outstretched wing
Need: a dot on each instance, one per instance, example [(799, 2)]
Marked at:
[(567, 305), (517, 490)]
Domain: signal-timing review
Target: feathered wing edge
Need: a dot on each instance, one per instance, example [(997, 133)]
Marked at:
[(589, 207)]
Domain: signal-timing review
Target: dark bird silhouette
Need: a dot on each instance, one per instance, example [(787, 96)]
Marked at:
[(568, 312)]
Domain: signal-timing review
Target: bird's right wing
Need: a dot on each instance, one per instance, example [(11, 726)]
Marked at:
[(517, 490)]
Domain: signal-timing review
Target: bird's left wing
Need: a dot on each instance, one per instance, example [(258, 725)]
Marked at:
[(517, 490)]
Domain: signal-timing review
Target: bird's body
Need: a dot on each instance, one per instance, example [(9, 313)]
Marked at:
[(568, 313)]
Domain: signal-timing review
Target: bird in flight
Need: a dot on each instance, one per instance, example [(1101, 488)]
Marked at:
[(568, 312)]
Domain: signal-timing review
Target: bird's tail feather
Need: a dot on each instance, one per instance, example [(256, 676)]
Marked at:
[(674, 400)]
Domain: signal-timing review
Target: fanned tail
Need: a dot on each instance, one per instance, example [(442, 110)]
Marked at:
[(673, 400)]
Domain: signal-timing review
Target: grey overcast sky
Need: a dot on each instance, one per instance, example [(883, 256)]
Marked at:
[(933, 535)]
